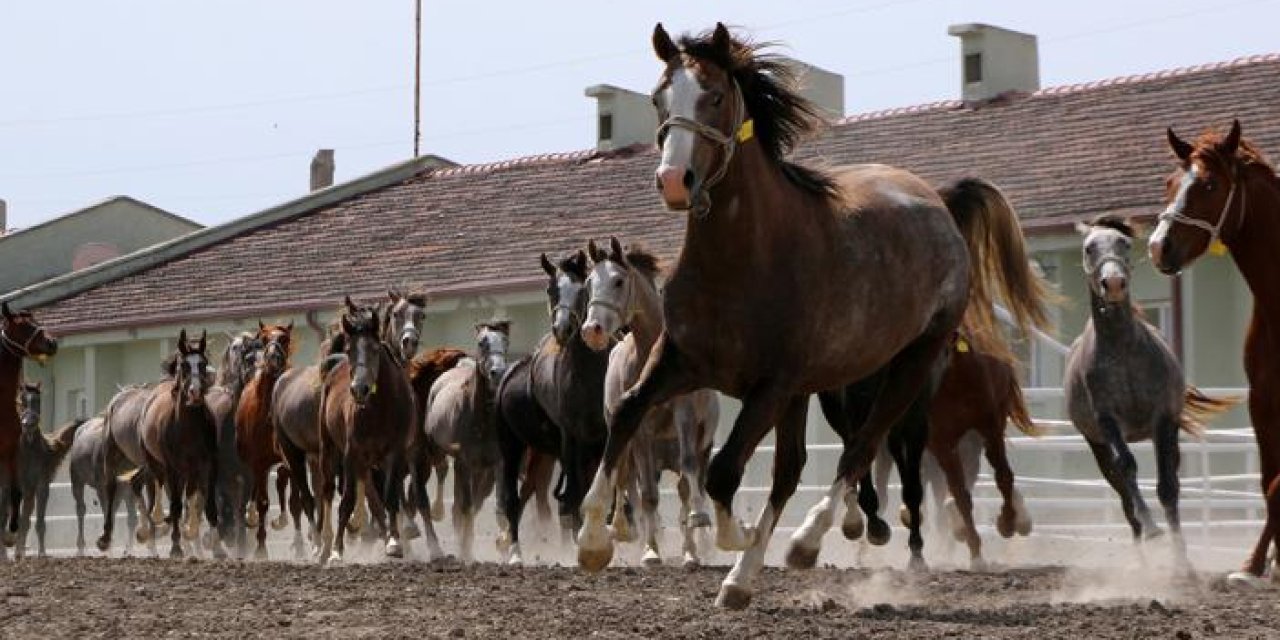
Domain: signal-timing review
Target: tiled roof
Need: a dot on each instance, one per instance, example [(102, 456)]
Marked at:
[(1061, 154)]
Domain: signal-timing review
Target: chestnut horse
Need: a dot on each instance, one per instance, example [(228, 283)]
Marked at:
[(367, 421), (255, 435), (1224, 190), (179, 438), (792, 281), (20, 337)]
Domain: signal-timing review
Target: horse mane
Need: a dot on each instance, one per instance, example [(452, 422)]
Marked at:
[(1112, 221), (426, 368), (782, 117), (644, 261), (1207, 147)]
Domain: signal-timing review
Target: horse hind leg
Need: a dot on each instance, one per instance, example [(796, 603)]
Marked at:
[(283, 480), (77, 494), (42, 504), (1168, 459), (911, 435), (24, 525), (437, 506), (1013, 518), (953, 468), (1109, 464), (176, 502)]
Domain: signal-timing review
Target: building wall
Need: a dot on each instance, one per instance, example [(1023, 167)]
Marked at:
[(44, 252)]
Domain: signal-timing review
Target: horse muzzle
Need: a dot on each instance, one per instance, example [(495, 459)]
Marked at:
[(677, 185), (594, 335)]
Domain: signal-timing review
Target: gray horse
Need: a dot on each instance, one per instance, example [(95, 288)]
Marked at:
[(675, 436), (38, 459), (459, 424), (85, 466), (122, 455), (1123, 384)]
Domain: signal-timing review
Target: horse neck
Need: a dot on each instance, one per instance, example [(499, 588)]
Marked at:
[(741, 219), (1253, 246), (10, 373), (1112, 321), (646, 312)]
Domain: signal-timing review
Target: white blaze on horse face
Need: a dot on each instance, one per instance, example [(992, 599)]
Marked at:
[(681, 98), (608, 300), (1178, 206), (195, 383)]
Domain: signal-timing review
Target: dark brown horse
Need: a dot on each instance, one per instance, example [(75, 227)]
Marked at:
[(791, 281), (39, 457), (20, 337), (1224, 190), (367, 420), (255, 434), (551, 402), (179, 437)]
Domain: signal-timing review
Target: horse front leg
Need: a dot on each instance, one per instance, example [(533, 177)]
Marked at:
[(1013, 517), (1168, 459), (788, 463), (953, 468), (663, 378), (24, 525), (261, 504), (760, 411), (694, 433), (176, 489), (42, 504)]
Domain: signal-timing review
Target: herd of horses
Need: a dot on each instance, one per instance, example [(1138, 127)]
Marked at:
[(862, 284)]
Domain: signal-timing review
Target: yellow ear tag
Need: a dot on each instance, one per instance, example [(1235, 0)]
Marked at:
[(747, 130), (373, 389), (961, 345), (1217, 248)]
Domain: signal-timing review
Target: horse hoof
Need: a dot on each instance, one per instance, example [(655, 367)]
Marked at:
[(219, 553), (1006, 527), (853, 529), (733, 597), (1023, 526), (1152, 532), (142, 536), (394, 550), (103, 544), (917, 565), (1247, 579), (878, 532), (801, 557), (904, 515), (652, 558), (978, 564), (595, 559), (411, 530), (698, 520), (515, 560), (691, 562), (280, 522), (260, 553), (175, 552)]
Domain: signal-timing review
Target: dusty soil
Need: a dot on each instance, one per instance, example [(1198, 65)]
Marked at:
[(153, 598)]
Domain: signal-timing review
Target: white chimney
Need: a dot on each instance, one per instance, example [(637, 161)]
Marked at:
[(623, 117), (322, 169), (995, 61), (823, 88)]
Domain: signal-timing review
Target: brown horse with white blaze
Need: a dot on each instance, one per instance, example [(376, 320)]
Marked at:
[(255, 434), (886, 272), (1224, 190)]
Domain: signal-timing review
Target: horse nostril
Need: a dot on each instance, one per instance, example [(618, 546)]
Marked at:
[(657, 182), (688, 179)]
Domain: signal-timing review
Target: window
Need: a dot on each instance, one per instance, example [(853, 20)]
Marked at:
[(972, 68), (606, 126), (1160, 314)]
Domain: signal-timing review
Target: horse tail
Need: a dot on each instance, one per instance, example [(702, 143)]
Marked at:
[(61, 440), (998, 261), (1198, 409), (1016, 409)]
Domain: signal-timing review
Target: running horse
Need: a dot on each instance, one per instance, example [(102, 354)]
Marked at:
[(1224, 193), (676, 436), (367, 420), (20, 337), (39, 460), (791, 281), (255, 433)]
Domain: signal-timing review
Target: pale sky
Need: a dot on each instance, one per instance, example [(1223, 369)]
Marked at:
[(213, 110)]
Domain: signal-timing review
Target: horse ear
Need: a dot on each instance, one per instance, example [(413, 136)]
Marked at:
[(261, 327), (394, 295), (663, 46), (594, 252), (1180, 147), (547, 266), (1082, 228), (617, 253), (344, 324), (722, 41), (204, 340), (289, 327), (351, 306), (8, 313), (182, 341), (1230, 143)]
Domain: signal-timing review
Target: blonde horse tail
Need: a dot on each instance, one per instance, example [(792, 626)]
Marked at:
[(1199, 409), (1000, 267)]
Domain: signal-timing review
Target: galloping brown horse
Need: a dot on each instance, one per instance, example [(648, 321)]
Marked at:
[(255, 434), (367, 419), (20, 337), (1224, 190), (179, 437), (791, 281)]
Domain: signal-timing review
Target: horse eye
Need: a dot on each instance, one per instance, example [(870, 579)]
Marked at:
[(1208, 186), (717, 98), (618, 283)]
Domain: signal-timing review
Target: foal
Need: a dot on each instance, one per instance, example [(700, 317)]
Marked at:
[(1123, 384), (38, 459)]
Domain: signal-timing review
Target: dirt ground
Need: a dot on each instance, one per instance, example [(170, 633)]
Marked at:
[(162, 598)]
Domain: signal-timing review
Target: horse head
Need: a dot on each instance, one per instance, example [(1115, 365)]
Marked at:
[(566, 294), (23, 337)]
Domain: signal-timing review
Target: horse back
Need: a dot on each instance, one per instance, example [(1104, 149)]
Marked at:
[(123, 418), (295, 407), (518, 412)]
